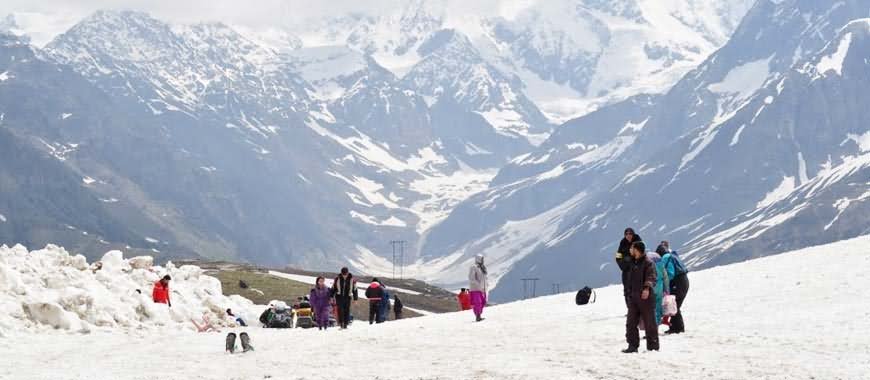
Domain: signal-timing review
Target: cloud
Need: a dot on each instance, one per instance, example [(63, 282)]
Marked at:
[(261, 12), (46, 18)]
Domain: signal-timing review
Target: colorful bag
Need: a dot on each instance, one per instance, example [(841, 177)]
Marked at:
[(669, 305)]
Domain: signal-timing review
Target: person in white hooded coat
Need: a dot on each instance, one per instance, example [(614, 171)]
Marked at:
[(477, 286)]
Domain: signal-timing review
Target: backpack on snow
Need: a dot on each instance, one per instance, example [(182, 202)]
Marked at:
[(583, 296), (281, 320)]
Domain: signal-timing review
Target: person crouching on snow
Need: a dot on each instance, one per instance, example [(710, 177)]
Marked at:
[(160, 294), (464, 300), (235, 319), (641, 300), (477, 285)]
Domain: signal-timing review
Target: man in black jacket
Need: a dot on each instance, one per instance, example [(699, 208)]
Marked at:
[(344, 289), (641, 300), (623, 257)]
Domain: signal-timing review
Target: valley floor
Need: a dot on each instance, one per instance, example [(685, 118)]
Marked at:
[(800, 315)]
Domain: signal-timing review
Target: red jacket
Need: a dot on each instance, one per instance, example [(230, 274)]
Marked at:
[(464, 300), (160, 293)]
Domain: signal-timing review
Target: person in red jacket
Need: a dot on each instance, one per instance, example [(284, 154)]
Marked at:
[(375, 293), (464, 299), (161, 291)]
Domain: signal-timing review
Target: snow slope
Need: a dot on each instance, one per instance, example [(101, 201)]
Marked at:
[(791, 316)]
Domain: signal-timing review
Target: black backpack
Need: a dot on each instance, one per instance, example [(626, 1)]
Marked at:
[(584, 294)]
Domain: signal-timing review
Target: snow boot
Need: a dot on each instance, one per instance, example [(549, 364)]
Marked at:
[(246, 342), (231, 342), (630, 350)]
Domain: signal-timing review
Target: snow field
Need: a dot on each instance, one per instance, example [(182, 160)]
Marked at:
[(798, 315)]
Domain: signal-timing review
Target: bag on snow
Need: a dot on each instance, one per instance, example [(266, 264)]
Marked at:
[(583, 296), (281, 320), (669, 305)]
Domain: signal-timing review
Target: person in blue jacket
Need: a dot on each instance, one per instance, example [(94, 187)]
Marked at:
[(384, 307), (679, 284), (661, 283)]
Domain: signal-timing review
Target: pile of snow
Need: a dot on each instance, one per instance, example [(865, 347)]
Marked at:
[(50, 289)]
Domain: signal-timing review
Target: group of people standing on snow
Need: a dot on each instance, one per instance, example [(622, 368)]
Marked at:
[(344, 292), (646, 279)]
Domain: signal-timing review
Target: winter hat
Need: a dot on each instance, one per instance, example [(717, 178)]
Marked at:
[(661, 250), (478, 259), (344, 270), (375, 279), (167, 278)]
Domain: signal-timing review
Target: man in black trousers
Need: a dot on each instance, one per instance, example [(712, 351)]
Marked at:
[(641, 300), (344, 289)]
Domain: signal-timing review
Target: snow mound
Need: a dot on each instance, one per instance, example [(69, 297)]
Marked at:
[(50, 289)]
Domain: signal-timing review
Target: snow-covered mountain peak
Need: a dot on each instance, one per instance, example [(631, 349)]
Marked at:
[(177, 67), (277, 39), (452, 67)]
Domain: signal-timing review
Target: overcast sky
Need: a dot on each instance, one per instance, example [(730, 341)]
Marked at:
[(231, 11), (47, 18)]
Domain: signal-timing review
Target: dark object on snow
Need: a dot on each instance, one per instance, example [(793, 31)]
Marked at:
[(231, 342), (583, 296), (397, 306), (246, 342), (243, 284), (281, 319), (266, 316)]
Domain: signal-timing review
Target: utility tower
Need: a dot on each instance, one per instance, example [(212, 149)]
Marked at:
[(398, 256), (530, 286)]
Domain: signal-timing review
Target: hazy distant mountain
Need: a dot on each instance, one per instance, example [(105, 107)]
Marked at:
[(317, 144), (709, 165)]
